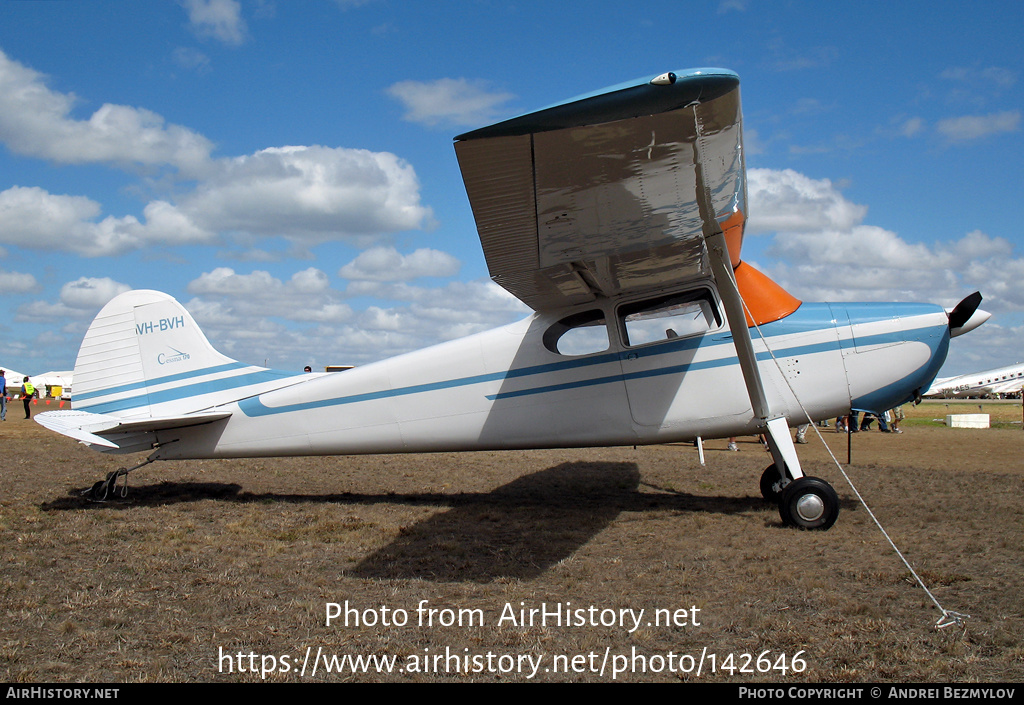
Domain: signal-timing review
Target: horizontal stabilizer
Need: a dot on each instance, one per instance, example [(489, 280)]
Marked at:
[(86, 427)]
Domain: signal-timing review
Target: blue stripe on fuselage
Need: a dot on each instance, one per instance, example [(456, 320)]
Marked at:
[(106, 391), (808, 319), (183, 392)]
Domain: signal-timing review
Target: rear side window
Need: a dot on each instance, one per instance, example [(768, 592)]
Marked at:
[(579, 334)]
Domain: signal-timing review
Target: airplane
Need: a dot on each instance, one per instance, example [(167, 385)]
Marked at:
[(618, 217), (1002, 380)]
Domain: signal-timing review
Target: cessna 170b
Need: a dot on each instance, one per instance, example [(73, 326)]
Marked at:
[(618, 217)]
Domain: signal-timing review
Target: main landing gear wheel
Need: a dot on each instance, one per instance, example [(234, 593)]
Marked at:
[(771, 485), (809, 503)]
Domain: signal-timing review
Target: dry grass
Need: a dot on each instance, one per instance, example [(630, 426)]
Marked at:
[(244, 556), (1002, 414)]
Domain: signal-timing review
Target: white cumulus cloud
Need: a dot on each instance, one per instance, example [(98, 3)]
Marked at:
[(33, 218), (309, 193), (388, 264), (453, 101), (91, 293), (220, 19), (304, 194), (17, 282), (972, 127), (306, 296), (36, 121), (79, 299), (822, 251), (787, 200)]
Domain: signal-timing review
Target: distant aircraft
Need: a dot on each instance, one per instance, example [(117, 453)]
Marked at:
[(618, 217), (1002, 380)]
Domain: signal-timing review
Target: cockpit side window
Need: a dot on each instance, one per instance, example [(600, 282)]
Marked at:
[(579, 334), (669, 316)]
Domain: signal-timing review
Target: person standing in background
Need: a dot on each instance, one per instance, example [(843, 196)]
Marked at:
[(28, 390)]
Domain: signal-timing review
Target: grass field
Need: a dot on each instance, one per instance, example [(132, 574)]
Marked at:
[(932, 412), (211, 566)]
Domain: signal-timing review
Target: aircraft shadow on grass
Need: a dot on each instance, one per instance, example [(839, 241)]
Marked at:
[(518, 530)]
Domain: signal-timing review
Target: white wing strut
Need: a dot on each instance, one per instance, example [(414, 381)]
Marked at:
[(780, 443)]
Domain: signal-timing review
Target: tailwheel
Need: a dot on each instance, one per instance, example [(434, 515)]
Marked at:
[(109, 488), (772, 485), (809, 503)]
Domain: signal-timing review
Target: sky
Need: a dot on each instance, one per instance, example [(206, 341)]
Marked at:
[(286, 170)]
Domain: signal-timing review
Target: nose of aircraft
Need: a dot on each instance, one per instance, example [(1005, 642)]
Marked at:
[(894, 350), (966, 316)]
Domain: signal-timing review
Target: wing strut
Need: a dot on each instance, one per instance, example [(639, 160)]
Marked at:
[(780, 443), (777, 429)]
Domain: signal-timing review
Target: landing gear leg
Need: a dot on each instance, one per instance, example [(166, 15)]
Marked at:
[(111, 488), (780, 473), (780, 443)]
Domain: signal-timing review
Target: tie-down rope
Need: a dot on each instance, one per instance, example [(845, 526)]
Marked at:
[(948, 617)]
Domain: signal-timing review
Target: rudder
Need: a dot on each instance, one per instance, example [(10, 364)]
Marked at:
[(139, 346)]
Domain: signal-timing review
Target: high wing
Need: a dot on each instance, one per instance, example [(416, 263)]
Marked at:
[(634, 188), (601, 195)]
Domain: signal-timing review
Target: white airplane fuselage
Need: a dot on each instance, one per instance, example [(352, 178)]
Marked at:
[(505, 389), (1003, 380)]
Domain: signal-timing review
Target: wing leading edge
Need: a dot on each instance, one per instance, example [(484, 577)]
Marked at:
[(598, 196)]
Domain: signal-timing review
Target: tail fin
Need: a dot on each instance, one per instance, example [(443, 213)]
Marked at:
[(145, 357), (138, 340), (145, 371)]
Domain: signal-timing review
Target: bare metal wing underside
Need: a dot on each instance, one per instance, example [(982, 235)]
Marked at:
[(598, 195)]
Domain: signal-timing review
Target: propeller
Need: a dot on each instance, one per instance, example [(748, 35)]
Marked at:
[(966, 316)]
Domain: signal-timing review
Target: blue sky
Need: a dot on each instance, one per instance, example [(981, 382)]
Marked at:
[(285, 169)]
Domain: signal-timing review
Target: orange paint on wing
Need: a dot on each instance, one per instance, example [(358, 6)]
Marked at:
[(766, 300)]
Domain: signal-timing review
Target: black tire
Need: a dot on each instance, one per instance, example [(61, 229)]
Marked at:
[(768, 478), (98, 493), (809, 503)]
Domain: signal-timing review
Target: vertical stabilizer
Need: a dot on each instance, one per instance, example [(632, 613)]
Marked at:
[(137, 355)]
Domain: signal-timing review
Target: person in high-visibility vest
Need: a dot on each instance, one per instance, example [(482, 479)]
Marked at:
[(28, 391)]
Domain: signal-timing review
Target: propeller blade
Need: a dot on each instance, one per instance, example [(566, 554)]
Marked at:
[(963, 311)]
